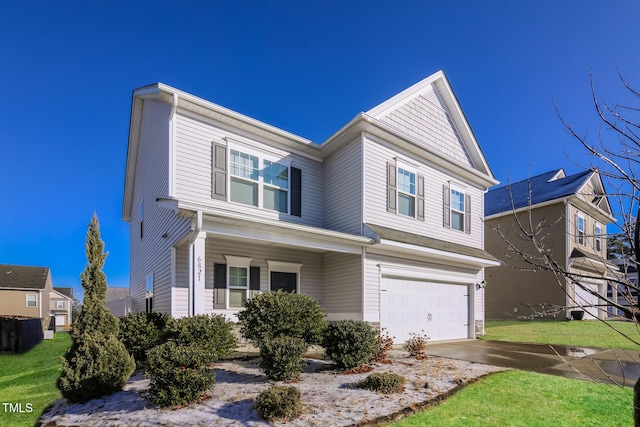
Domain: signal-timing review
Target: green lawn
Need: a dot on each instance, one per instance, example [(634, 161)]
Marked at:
[(518, 398), (30, 378), (586, 333)]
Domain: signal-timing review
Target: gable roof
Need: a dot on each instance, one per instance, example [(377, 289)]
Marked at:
[(67, 292), (447, 131), (23, 277), (549, 187)]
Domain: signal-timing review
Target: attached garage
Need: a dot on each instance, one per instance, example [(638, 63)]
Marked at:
[(439, 310)]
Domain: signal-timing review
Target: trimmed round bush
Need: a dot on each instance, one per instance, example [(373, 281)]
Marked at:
[(140, 332), (349, 343), (279, 403), (179, 374), (281, 357), (213, 333), (272, 314), (383, 382)]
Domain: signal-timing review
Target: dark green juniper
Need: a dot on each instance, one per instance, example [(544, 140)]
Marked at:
[(97, 363)]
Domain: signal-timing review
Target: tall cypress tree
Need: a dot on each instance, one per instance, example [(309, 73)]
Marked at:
[(97, 363)]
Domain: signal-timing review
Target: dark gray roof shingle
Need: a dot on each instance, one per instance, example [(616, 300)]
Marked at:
[(429, 242), (20, 276)]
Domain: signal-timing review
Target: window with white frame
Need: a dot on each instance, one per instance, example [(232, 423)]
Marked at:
[(149, 293), (457, 209), (257, 181), (32, 300), (276, 186), (597, 244), (59, 304), (406, 192), (580, 229), (238, 280)]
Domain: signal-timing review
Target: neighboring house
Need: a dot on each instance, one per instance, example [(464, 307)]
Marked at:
[(26, 292), (623, 295), (118, 301), (382, 222), (569, 217), (62, 306)]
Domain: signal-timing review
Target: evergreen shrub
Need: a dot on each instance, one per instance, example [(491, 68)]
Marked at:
[(140, 332), (383, 382), (213, 333), (281, 357), (349, 343), (97, 363), (179, 374), (279, 403), (272, 314)]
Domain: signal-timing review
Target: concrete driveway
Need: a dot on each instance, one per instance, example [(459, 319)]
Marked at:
[(614, 366)]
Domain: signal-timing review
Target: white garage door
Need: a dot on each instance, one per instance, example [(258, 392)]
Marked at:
[(439, 310), (61, 319)]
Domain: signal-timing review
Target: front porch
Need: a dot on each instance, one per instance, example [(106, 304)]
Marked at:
[(227, 262)]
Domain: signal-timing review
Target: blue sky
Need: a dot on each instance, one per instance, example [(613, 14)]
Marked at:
[(67, 70)]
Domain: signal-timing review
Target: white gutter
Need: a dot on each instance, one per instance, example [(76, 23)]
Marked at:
[(192, 239), (172, 145)]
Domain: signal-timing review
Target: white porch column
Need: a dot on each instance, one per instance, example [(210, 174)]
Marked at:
[(198, 271)]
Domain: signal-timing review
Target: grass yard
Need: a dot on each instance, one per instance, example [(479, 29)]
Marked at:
[(518, 398), (30, 378), (586, 333)]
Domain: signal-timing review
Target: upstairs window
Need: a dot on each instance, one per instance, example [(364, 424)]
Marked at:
[(32, 300), (406, 193), (597, 244), (457, 210), (580, 229), (276, 186), (244, 178), (59, 304), (259, 182)]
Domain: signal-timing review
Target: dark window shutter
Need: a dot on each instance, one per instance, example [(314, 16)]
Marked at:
[(446, 194), (219, 276), (467, 214), (296, 192), (420, 198), (254, 278), (219, 176), (392, 187)]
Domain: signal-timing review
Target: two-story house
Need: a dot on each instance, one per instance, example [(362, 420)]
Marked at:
[(567, 217), (62, 306), (382, 222), (25, 291)]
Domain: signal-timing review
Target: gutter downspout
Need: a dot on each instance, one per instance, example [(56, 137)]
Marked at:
[(192, 239), (172, 144)]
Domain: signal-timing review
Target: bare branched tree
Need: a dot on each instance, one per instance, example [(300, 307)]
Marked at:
[(617, 152)]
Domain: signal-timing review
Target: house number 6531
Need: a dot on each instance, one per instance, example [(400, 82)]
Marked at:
[(199, 267)]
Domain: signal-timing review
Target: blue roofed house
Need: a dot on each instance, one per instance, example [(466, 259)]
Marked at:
[(382, 222), (568, 215)]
